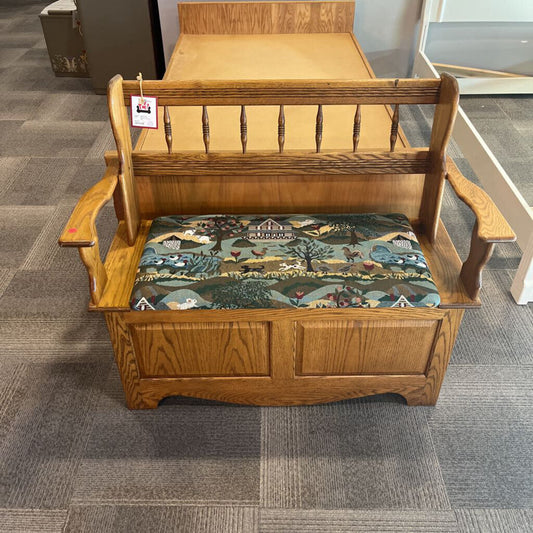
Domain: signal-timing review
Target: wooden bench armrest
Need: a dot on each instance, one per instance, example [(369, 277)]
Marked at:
[(80, 231), (490, 227)]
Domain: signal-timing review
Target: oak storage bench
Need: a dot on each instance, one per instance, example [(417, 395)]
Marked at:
[(278, 241)]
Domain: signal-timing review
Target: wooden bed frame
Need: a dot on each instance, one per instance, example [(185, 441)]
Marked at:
[(270, 147)]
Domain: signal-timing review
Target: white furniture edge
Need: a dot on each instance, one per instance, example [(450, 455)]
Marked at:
[(489, 171)]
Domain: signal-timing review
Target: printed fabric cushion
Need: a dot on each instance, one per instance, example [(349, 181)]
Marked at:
[(281, 261)]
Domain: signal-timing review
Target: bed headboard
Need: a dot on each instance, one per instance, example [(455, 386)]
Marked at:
[(265, 17), (284, 181)]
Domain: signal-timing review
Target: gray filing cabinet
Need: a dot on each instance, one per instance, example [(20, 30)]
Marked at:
[(121, 37)]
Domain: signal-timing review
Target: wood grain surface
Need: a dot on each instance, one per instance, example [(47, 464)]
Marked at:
[(202, 349), (288, 91), (406, 161), (121, 132), (265, 17), (369, 347)]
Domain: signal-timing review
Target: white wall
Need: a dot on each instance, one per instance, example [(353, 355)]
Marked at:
[(386, 30)]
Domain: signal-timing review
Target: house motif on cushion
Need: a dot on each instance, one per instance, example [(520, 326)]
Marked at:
[(172, 242), (402, 242), (270, 229), (402, 301), (143, 305)]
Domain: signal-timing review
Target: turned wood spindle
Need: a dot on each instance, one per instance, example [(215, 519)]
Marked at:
[(356, 127), (281, 128), (205, 128), (244, 129), (168, 129), (394, 125), (319, 126)]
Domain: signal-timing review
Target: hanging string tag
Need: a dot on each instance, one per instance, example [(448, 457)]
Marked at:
[(144, 109), (140, 80)]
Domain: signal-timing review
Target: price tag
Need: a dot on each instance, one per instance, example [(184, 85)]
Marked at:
[(144, 112)]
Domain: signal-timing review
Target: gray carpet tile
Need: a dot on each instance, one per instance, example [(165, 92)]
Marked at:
[(494, 521), (358, 454), (48, 294), (18, 40), (47, 411), (21, 105), (42, 181), (60, 138), (525, 127), (42, 255), (516, 108), (178, 454), (482, 107), (8, 56), (87, 174), (104, 141), (20, 227), (38, 332), (32, 520), (6, 275), (74, 107), (10, 169), (36, 56), (482, 429), (482, 340), (349, 521), (162, 518)]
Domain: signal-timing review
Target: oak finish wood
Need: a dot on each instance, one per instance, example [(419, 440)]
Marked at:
[(202, 349), (370, 347), (121, 132), (205, 128), (443, 122), (282, 386), (288, 92), (80, 231), (168, 129), (260, 356), (281, 128), (356, 128), (266, 17), (394, 127), (407, 161)]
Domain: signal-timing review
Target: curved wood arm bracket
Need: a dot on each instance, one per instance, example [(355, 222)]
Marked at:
[(490, 227), (80, 230), (480, 253), (96, 271)]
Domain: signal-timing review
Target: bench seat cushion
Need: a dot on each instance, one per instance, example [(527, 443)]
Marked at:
[(282, 261)]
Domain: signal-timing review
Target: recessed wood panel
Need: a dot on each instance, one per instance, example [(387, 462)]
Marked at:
[(369, 347), (202, 349)]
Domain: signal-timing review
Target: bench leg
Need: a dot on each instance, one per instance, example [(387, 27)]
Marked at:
[(438, 364), (127, 365)]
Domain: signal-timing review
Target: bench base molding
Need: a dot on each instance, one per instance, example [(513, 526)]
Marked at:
[(266, 357)]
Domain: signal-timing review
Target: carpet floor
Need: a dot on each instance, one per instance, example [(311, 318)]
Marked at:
[(73, 458)]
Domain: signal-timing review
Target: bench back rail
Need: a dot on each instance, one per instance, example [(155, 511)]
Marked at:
[(429, 162)]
